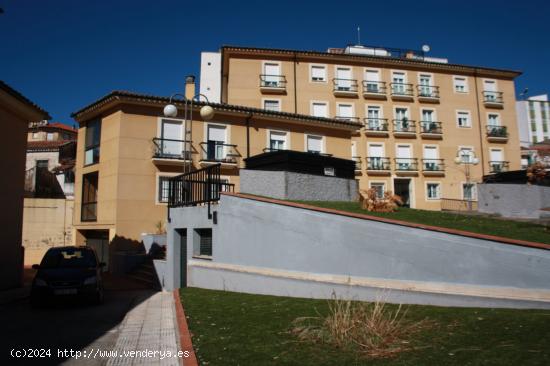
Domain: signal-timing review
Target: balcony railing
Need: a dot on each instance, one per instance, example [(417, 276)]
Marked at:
[(401, 90), (273, 83), (378, 163), (433, 165), (374, 88), (428, 92), (345, 86), (497, 132), (493, 99), (499, 166), (431, 127), (219, 152), (376, 124), (171, 149), (406, 164), (406, 126), (345, 118)]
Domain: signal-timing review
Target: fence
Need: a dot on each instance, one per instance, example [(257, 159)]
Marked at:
[(448, 204)]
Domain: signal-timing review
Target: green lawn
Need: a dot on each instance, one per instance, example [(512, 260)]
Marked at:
[(477, 224), (240, 329)]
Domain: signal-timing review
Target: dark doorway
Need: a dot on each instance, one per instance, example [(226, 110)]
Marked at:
[(402, 189), (99, 241), (182, 234)]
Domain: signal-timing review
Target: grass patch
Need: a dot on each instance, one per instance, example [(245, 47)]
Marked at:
[(477, 224), (232, 328)]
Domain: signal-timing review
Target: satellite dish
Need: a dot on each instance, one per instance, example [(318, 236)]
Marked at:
[(426, 48)]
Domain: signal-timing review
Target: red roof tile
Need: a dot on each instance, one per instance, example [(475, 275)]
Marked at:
[(46, 145)]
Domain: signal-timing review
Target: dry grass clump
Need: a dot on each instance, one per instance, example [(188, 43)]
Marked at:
[(369, 328), (371, 202)]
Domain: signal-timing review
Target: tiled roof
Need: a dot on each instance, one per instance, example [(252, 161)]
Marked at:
[(14, 93), (161, 101), (61, 126), (47, 145)]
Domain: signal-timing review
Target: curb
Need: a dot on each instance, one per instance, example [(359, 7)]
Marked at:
[(185, 335)]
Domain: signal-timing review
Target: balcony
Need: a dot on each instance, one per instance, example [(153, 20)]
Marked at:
[(428, 93), (404, 128), (402, 91), (272, 84), (378, 166), (493, 99), (431, 130), (433, 167), (499, 166), (345, 87), (406, 166), (376, 127), (497, 133), (214, 152), (171, 152), (357, 160), (374, 89)]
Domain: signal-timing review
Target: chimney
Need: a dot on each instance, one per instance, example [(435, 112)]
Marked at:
[(190, 86)]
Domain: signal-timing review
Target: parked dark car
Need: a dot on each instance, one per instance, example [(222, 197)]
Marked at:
[(68, 272)]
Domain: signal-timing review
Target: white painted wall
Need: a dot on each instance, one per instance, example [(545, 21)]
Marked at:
[(210, 79)]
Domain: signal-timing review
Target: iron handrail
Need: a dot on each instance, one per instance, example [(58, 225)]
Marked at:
[(376, 124), (378, 163), (347, 85), (431, 127), (404, 125), (433, 165), (406, 164), (401, 89), (374, 87), (272, 81), (161, 148), (428, 91)]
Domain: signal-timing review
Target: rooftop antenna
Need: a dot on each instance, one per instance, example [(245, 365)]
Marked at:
[(359, 36), (523, 94)]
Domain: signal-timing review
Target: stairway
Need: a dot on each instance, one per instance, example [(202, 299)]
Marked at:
[(145, 274)]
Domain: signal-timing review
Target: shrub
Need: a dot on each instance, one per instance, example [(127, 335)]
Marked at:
[(371, 202)]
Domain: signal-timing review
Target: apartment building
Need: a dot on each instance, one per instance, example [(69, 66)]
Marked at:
[(127, 150), (533, 115), (417, 113)]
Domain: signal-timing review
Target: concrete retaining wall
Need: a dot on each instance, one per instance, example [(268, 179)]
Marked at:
[(296, 186), (514, 200)]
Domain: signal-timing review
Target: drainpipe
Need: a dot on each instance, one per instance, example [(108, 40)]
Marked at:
[(479, 120), (295, 88), (248, 135)]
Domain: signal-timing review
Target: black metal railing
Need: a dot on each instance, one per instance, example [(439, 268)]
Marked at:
[(433, 165), (273, 81), (345, 85), (497, 131), (499, 166), (428, 91), (171, 149), (374, 87), (401, 89), (376, 124), (406, 164), (197, 187), (215, 151), (492, 97), (378, 163), (404, 125), (431, 127), (345, 118)]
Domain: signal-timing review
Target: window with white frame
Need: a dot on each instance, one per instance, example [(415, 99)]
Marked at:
[(372, 81), (319, 109), (463, 119), (314, 144), (433, 191), (49, 136), (493, 119), (318, 73), (469, 192), (344, 111), (277, 140), (379, 188), (272, 105), (460, 84), (398, 82), (35, 135)]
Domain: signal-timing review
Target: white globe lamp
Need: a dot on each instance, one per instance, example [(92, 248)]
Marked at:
[(170, 110), (207, 113)]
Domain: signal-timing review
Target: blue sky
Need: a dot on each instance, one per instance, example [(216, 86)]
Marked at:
[(65, 54)]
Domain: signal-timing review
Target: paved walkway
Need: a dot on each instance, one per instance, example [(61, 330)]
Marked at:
[(149, 326)]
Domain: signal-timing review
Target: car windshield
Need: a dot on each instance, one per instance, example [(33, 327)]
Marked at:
[(69, 258)]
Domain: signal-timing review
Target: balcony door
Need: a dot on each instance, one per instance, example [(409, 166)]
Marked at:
[(272, 73), (376, 154), (373, 79), (216, 137), (172, 136), (404, 155), (490, 89), (344, 78), (402, 118), (493, 120), (425, 82), (430, 157), (345, 111), (373, 116), (398, 79), (497, 158)]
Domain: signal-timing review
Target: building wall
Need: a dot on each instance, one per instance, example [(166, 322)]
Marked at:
[(514, 200), (241, 86), (47, 223), (534, 119), (51, 156)]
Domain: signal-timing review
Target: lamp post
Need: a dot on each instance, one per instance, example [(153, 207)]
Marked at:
[(467, 160)]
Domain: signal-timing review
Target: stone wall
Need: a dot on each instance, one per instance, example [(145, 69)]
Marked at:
[(514, 200)]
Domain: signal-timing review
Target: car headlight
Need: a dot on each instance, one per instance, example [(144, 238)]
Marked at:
[(90, 280), (40, 282)]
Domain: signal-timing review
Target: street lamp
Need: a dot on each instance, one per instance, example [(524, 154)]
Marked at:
[(467, 158)]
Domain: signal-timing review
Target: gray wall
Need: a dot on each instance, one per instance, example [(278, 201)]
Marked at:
[(514, 200), (297, 186), (260, 247)]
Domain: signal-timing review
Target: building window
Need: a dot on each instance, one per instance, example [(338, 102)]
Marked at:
[(277, 140), (433, 191), (163, 189), (372, 83), (469, 191), (320, 109), (216, 143), (463, 119), (202, 242), (460, 84), (318, 73), (35, 135), (493, 120), (314, 144), (93, 135), (345, 111), (89, 197), (379, 188), (272, 105), (49, 136), (42, 164)]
